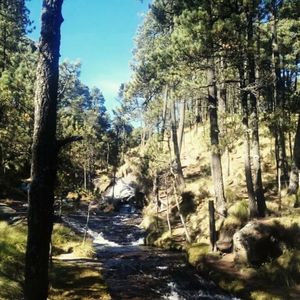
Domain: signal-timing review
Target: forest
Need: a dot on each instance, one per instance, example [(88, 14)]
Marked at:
[(206, 139)]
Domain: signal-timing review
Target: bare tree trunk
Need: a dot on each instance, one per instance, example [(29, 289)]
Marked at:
[(181, 124), (164, 116), (198, 113), (107, 156), (168, 207), (257, 176), (216, 165), (223, 91), (278, 100), (247, 157), (176, 164), (84, 175), (212, 225), (44, 155), (294, 176)]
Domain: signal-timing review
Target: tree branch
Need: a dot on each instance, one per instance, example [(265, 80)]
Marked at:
[(68, 140)]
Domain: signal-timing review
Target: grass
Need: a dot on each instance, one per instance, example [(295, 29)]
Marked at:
[(12, 249), (77, 280), (65, 240), (69, 280), (196, 252)]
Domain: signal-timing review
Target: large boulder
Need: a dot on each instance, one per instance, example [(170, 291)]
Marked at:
[(6, 212), (255, 244), (120, 190)]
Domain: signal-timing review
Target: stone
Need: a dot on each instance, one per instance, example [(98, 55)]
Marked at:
[(6, 211), (224, 246), (255, 244)]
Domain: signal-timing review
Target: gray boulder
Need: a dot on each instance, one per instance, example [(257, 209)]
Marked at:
[(6, 211), (255, 244)]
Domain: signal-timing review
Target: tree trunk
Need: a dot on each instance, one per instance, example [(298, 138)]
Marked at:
[(181, 124), (164, 116), (278, 100), (216, 165), (44, 155), (257, 177), (198, 119), (223, 90), (176, 164), (247, 150), (212, 225), (84, 175), (294, 176), (168, 206)]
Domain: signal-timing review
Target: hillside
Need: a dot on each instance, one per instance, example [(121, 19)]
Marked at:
[(244, 278)]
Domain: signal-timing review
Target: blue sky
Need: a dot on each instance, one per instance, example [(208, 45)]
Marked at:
[(100, 34)]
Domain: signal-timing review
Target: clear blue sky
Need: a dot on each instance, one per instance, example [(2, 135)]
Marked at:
[(100, 34)]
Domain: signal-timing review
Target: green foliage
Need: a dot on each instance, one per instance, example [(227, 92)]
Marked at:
[(81, 113), (239, 211), (284, 271), (65, 240), (197, 252)]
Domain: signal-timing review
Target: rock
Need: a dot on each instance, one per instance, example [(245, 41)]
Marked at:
[(126, 190), (224, 246), (6, 211), (122, 189), (255, 244)]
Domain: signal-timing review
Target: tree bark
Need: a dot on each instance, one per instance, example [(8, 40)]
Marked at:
[(212, 225), (181, 124), (44, 155), (164, 116), (176, 167), (223, 90), (278, 100), (216, 165), (247, 149), (257, 177), (294, 176)]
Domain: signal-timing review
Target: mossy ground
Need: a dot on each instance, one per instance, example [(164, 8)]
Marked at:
[(77, 279), (72, 279)]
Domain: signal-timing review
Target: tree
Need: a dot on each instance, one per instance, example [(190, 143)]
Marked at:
[(14, 21), (17, 60), (294, 176), (16, 117), (254, 117), (44, 154)]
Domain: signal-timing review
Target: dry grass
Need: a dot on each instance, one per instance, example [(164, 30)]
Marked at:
[(77, 280), (12, 249)]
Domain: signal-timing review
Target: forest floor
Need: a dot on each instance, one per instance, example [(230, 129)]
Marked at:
[(244, 281), (77, 278), (74, 273)]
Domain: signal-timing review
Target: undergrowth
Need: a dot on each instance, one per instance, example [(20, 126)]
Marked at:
[(12, 254)]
